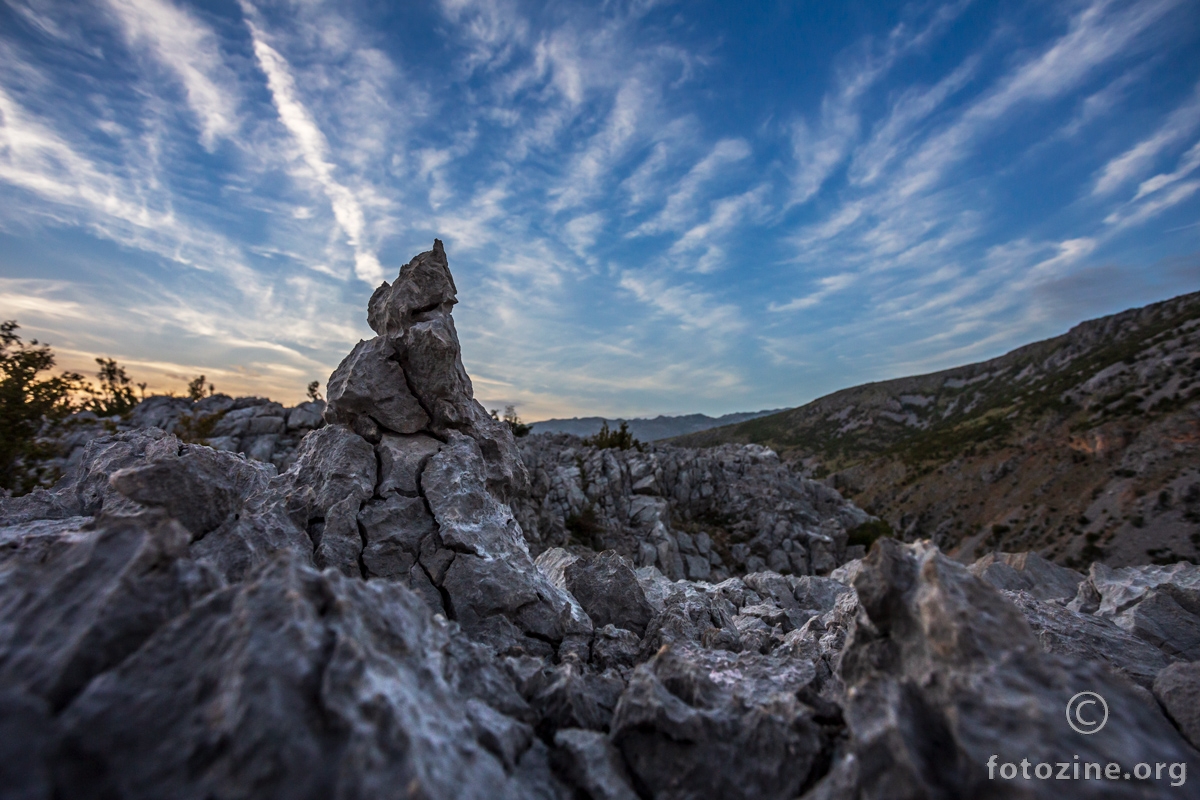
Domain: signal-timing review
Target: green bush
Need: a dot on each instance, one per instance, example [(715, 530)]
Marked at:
[(585, 529), (513, 422), (114, 396), (195, 390), (868, 532), (197, 429), (620, 439), (25, 401)]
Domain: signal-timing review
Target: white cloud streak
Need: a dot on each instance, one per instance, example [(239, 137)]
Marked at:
[(1138, 159), (188, 49), (314, 150)]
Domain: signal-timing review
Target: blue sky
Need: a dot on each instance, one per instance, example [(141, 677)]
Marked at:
[(649, 207)]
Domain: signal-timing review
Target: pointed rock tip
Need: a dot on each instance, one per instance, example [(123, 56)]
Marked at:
[(423, 283)]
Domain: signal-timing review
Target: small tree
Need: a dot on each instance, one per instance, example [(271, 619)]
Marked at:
[(25, 401), (514, 423), (196, 388), (115, 393), (620, 439), (314, 392)]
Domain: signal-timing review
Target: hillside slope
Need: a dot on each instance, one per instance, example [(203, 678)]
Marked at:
[(1085, 446)]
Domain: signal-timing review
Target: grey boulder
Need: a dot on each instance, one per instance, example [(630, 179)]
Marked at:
[(1065, 632), (604, 584), (942, 673), (370, 383), (689, 726), (1027, 572), (1178, 689)]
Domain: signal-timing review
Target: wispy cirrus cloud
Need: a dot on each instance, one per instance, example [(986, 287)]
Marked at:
[(190, 50), (648, 207), (313, 149), (1139, 159)]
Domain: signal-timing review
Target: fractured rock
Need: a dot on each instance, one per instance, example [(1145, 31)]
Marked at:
[(567, 695), (424, 284), (593, 764), (94, 602), (604, 584), (369, 383), (1178, 689), (942, 673), (1027, 572), (1168, 617), (1060, 630), (401, 459), (394, 529), (1108, 592), (491, 572), (293, 684), (683, 734), (614, 647), (200, 487), (635, 502)]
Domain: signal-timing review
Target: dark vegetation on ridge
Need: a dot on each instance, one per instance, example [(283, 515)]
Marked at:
[(40, 414), (647, 430), (29, 401)]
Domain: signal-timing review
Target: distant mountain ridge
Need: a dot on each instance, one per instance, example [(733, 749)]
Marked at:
[(647, 430), (1085, 446)]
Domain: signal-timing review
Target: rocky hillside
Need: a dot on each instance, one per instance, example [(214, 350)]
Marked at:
[(187, 622), (255, 426), (702, 514), (646, 430), (1083, 447), (697, 513)]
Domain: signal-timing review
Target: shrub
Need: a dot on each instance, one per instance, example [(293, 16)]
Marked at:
[(513, 421), (114, 396), (585, 529), (620, 439), (868, 532), (314, 391), (26, 401), (196, 390), (197, 428)]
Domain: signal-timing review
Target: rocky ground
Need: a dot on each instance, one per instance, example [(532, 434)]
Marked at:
[(702, 514), (183, 621), (255, 426)]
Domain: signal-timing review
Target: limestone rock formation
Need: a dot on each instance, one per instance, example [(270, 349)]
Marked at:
[(942, 673), (695, 514), (254, 426), (1178, 689), (183, 621)]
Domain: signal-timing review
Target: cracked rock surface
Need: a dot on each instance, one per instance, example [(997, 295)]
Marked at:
[(699, 514), (181, 621)]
